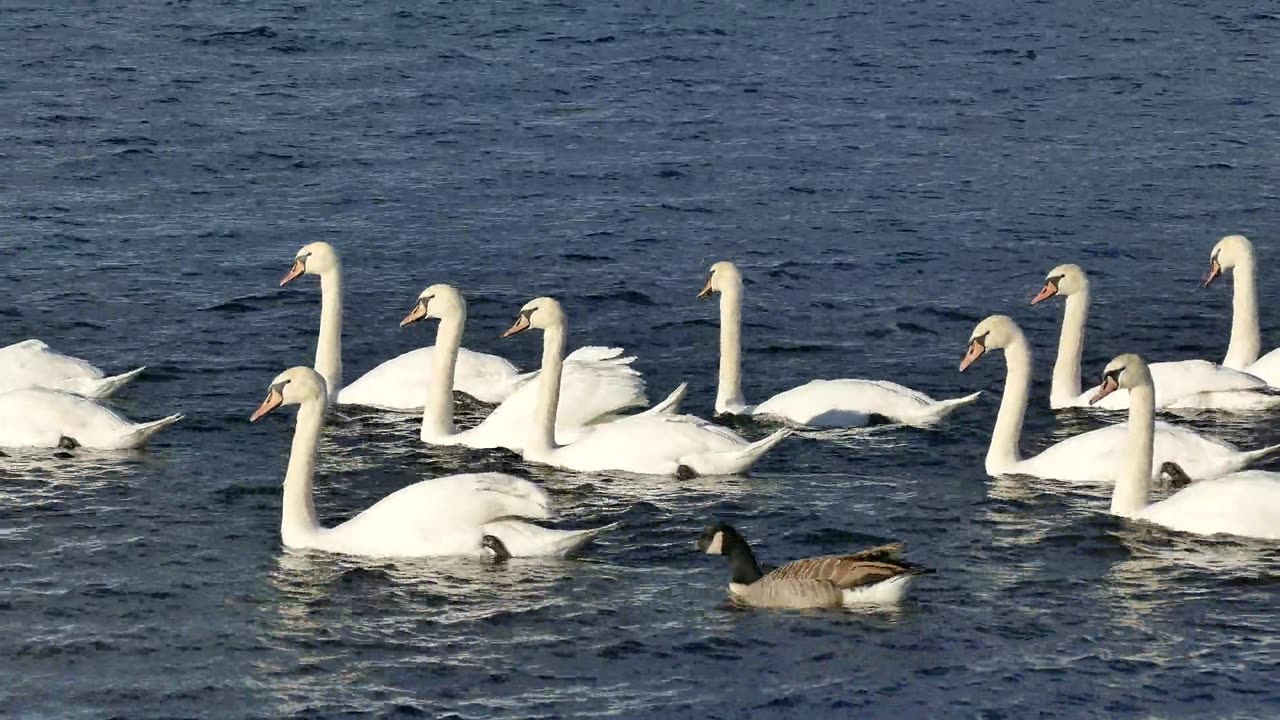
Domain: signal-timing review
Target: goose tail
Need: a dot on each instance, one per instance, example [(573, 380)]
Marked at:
[(885, 592)]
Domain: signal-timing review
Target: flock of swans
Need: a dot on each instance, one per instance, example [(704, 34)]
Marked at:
[(585, 411)]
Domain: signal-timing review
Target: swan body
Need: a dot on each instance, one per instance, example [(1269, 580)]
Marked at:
[(649, 443), (399, 383), (444, 516), (32, 363), (597, 383), (1235, 253), (1246, 503), (1094, 456), (874, 576), (1179, 384), (43, 418), (820, 403)]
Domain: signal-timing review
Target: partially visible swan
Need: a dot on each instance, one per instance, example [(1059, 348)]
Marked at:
[(1180, 384), (398, 383), (445, 516), (819, 403), (596, 384), (649, 444), (1094, 456), (43, 418), (1246, 503), (32, 363), (874, 576), (1235, 253)]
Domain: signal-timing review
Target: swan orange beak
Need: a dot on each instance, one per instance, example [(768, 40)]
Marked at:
[(299, 267), (1046, 292), (976, 349), (1215, 271), (706, 290), (522, 324), (1108, 386), (274, 398), (418, 312)]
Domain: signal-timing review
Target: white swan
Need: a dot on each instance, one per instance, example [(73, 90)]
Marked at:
[(1235, 253), (43, 418), (597, 383), (1094, 456), (398, 383), (648, 444), (32, 363), (819, 403), (1246, 503), (1180, 384), (445, 516)]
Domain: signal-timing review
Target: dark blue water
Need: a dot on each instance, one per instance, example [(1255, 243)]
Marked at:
[(885, 175)]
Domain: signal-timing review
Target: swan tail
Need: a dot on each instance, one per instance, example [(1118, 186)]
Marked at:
[(104, 387), (530, 540), (730, 462), (942, 408), (670, 405), (142, 432), (1254, 456)]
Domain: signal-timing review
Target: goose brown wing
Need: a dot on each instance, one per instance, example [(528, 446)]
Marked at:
[(845, 571)]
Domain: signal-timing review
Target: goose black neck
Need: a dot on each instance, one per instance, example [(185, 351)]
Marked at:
[(742, 562)]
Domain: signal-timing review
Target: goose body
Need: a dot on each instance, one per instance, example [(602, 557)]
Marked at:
[(443, 516), (43, 418), (1094, 456), (819, 403), (398, 383), (648, 444), (33, 364), (1178, 384), (598, 383), (1245, 503), (1235, 253), (875, 576)]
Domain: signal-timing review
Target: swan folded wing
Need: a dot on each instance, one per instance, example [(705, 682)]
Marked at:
[(32, 363), (1267, 368), (454, 501), (838, 402), (1175, 380), (597, 353), (1245, 503), (401, 383)]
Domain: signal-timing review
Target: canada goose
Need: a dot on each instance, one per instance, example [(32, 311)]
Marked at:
[(874, 576)]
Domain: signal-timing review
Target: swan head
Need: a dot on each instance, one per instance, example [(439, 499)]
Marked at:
[(718, 539), (439, 302), (724, 276), (1124, 373), (540, 313), (316, 258), (292, 387), (1229, 252), (996, 332), (1064, 280)]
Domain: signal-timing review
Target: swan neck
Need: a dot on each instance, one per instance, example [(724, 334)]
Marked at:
[(729, 397), (437, 414), (298, 517), (1003, 453), (542, 434), (329, 346), (1066, 370), (1246, 339), (1134, 482)]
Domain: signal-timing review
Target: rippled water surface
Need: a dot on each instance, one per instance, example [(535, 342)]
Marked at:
[(886, 174)]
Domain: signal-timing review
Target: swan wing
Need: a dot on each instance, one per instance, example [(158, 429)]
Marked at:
[(401, 383), (446, 504), (1245, 503), (1267, 367), (40, 417), (647, 444), (846, 403), (1097, 456), (32, 363)]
